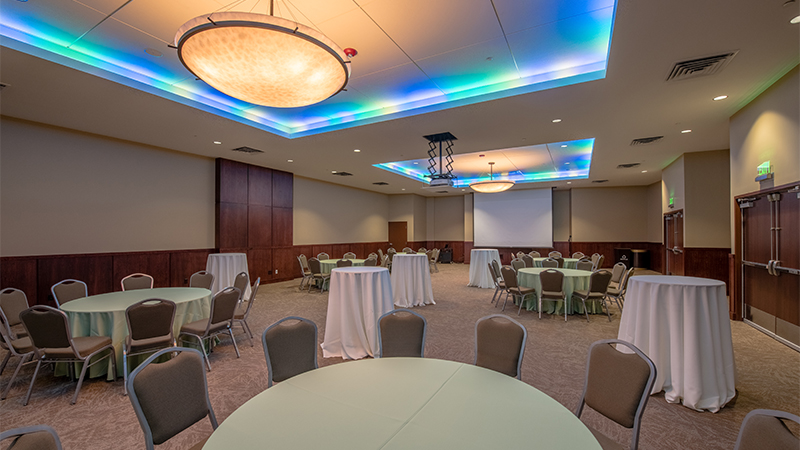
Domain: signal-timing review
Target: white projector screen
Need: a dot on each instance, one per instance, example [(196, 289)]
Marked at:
[(514, 219)]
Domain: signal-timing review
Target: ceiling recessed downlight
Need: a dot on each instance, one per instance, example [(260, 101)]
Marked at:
[(357, 151), (569, 182), (218, 142), (564, 146), (333, 171), (556, 120), (289, 160), (686, 131), (644, 171), (720, 97), (795, 19)]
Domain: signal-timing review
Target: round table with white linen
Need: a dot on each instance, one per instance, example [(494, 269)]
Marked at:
[(358, 297), (104, 315), (574, 280), (569, 263), (402, 403), (326, 265), (225, 267), (683, 325), (479, 260), (411, 280)]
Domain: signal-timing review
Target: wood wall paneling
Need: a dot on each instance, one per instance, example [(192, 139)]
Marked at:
[(231, 225), (259, 226), (259, 186), (94, 270), (788, 290), (20, 273), (759, 282), (259, 264), (154, 264), (706, 263), (468, 246), (182, 264), (324, 248), (284, 260), (231, 177), (282, 189), (757, 232), (564, 248), (282, 231)]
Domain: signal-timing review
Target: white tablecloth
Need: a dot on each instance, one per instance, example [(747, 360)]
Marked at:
[(682, 324), (358, 297), (479, 259), (411, 280), (225, 267)]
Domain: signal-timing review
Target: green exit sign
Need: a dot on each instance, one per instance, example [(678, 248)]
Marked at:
[(764, 171)]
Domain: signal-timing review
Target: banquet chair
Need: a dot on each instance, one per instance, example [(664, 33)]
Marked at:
[(371, 262), (391, 250), (408, 251), (34, 437), (422, 250), (517, 264), (617, 386), (513, 288), (617, 272), (578, 255), (554, 253), (401, 333), (528, 260), (52, 341), (67, 290), (385, 261), (243, 312), (560, 261), (150, 328), (220, 320), (618, 294), (20, 347), (241, 282), (599, 263), (322, 256), (499, 284), (202, 279), (317, 275), (344, 263), (380, 255), (435, 259), (598, 283), (304, 270), (290, 348), (552, 288), (594, 258), (171, 396), (137, 281), (764, 428), (550, 262), (500, 344), (535, 254), (520, 254), (349, 255), (12, 302), (584, 264), (372, 255)]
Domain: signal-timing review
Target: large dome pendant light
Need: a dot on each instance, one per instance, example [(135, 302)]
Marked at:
[(491, 186), (263, 59)]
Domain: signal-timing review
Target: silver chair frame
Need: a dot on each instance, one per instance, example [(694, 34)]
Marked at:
[(206, 335), (243, 320), (25, 358), (763, 412), (126, 354), (136, 275), (55, 297), (29, 430)]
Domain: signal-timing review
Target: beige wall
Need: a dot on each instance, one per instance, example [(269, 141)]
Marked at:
[(561, 215), (469, 223), (672, 185), (420, 218), (401, 209), (707, 199), (654, 213), (326, 213), (609, 214), (448, 218), (63, 191)]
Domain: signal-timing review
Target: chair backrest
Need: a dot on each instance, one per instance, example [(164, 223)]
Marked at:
[(500, 344), (422, 250), (290, 348), (170, 397), (35, 437), (528, 259), (535, 254), (496, 266), (344, 263), (520, 254), (599, 262), (150, 318), (618, 384), (314, 266), (349, 255), (12, 302), (401, 333), (47, 327), (617, 272), (436, 253), (223, 306), (594, 257), (322, 255), (252, 298), (241, 282), (764, 428), (628, 275), (68, 290), (578, 255), (380, 254), (560, 261), (584, 264), (202, 279), (598, 281), (509, 277), (137, 281), (391, 250), (552, 280), (385, 261), (550, 262), (409, 251), (370, 262), (303, 262), (553, 254), (517, 264), (493, 274), (372, 255)]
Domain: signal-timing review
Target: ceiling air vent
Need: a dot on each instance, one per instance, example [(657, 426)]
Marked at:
[(3, 86), (381, 183), (628, 166), (342, 174), (599, 181), (442, 192), (247, 150), (699, 67), (647, 140)]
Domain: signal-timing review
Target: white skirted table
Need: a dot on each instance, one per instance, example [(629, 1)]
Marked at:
[(411, 280), (326, 265), (402, 403), (225, 267), (358, 297), (479, 260), (104, 315), (683, 325)]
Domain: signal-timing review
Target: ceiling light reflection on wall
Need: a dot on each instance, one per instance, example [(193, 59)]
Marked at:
[(720, 97), (491, 186)]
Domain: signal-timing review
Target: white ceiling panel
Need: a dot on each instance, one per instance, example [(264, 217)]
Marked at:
[(518, 15), (104, 6), (468, 67), (314, 11), (162, 19), (404, 83), (61, 22), (425, 28)]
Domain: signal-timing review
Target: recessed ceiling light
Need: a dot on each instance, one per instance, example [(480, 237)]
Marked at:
[(569, 182), (563, 146), (644, 171), (357, 151), (416, 163), (463, 190), (289, 160), (556, 120), (566, 163), (333, 171), (720, 97), (218, 142), (686, 131), (403, 189), (796, 19)]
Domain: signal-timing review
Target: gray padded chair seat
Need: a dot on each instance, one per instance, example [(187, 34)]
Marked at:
[(586, 294), (144, 344), (22, 345), (84, 345), (199, 327), (553, 294)]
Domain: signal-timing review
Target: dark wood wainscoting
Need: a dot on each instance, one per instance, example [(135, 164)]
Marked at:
[(707, 263), (102, 272)]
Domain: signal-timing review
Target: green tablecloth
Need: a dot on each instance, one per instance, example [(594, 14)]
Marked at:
[(574, 280), (569, 263), (104, 315), (329, 264), (402, 403)]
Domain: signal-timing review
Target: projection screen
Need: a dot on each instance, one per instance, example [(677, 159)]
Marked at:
[(514, 219)]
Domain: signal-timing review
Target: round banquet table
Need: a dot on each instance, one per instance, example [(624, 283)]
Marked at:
[(683, 325), (329, 264), (104, 315), (225, 267), (358, 297), (569, 263), (574, 280), (402, 403), (411, 280), (479, 259)]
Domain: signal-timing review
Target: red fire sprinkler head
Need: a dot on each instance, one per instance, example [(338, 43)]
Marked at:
[(350, 52)]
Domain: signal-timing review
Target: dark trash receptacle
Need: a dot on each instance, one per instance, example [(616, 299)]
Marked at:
[(641, 259), (446, 255), (624, 256)]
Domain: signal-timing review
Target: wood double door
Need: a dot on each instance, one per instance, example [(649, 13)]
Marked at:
[(673, 243), (770, 267)]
